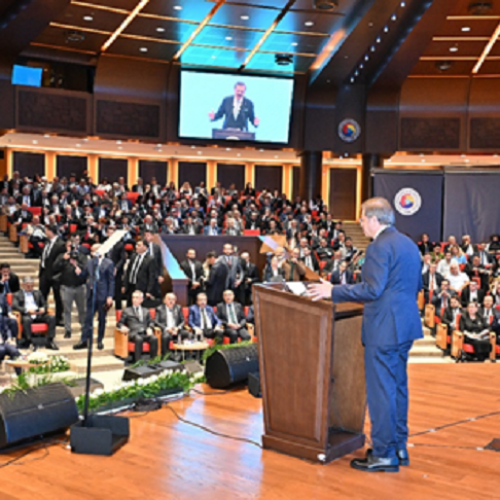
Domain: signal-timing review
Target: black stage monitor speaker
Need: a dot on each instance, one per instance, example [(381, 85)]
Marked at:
[(231, 366), (148, 370), (254, 385), (36, 412)]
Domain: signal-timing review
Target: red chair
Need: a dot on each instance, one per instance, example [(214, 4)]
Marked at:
[(251, 232), (100, 192), (129, 247), (132, 196), (73, 228), (35, 210)]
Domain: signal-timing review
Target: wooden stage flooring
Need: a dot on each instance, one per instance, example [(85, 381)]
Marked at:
[(166, 458)]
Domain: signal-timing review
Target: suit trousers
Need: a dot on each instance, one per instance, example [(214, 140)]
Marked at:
[(387, 394), (27, 321), (213, 334), (70, 294), (233, 335), (166, 338), (89, 318), (139, 338), (45, 285)]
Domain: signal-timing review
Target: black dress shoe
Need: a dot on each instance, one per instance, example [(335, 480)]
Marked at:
[(376, 464), (52, 345), (67, 335), (81, 345), (60, 323), (100, 345), (402, 453)]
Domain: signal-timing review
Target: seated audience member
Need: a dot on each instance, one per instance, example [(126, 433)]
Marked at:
[(350, 250), (251, 315), (231, 229), (494, 244), (467, 247), (36, 236), (137, 322), (443, 267), (471, 293), (170, 319), (451, 242), (342, 276), (457, 279), (272, 272), (8, 326), (485, 259), (457, 255), (441, 299), (324, 252), (31, 304), (431, 282), (204, 321), (9, 281), (193, 269), (495, 292), (425, 245), (233, 318), (293, 268), (452, 314), (211, 229), (426, 262), (310, 260), (190, 227), (333, 264), (475, 331), (474, 269), (490, 314)]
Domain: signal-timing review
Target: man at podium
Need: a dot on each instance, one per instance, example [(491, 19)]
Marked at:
[(391, 322), (237, 110)]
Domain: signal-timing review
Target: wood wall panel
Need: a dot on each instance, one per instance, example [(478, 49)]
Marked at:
[(295, 182), (430, 133), (149, 169), (229, 173), (343, 186), (112, 169), (269, 177), (28, 164), (67, 165), (192, 172)]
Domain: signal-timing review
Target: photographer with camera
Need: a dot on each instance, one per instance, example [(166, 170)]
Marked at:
[(69, 265)]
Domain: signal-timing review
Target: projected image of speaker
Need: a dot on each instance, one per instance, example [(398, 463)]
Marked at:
[(35, 413), (228, 367)]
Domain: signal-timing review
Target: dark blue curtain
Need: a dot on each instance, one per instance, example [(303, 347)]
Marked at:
[(430, 188), (472, 205)]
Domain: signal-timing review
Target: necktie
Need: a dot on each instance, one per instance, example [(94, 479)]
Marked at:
[(232, 314), (6, 287), (204, 320), (98, 270), (292, 268), (445, 302), (135, 270), (138, 312), (46, 252)]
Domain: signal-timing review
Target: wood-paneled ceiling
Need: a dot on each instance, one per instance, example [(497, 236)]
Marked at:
[(225, 34), (460, 42)]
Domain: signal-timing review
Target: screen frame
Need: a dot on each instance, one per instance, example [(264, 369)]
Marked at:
[(226, 142), (28, 69)]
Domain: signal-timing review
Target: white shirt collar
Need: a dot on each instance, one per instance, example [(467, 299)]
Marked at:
[(377, 234)]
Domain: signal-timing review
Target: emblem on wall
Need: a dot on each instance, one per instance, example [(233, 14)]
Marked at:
[(407, 201), (349, 130)]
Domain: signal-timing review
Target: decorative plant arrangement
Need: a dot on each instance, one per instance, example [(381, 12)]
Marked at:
[(43, 364)]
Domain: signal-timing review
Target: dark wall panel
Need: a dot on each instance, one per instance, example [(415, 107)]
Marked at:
[(29, 164), (149, 169), (127, 119), (192, 172), (430, 133), (67, 165), (270, 177), (342, 201), (295, 182), (228, 174), (46, 110), (484, 133), (112, 169)]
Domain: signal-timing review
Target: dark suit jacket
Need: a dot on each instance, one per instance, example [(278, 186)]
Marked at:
[(198, 271), (426, 247), (238, 310), (147, 276), (251, 272), (132, 321), (216, 283), (437, 300), (106, 283), (13, 284), (157, 256), (19, 301), (161, 316), (465, 296), (335, 277), (315, 262), (195, 316), (57, 248), (392, 278), (447, 318), (117, 256), (426, 280), (269, 277), (245, 115)]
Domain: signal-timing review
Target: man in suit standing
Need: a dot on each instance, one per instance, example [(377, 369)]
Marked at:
[(193, 269), (217, 278), (203, 320), (154, 250), (170, 319), (100, 271), (391, 322), (32, 306), (251, 276), (141, 274), (117, 256), (53, 248), (233, 318), (137, 321), (233, 265), (237, 110)]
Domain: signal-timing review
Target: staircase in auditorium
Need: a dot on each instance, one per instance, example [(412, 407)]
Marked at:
[(354, 231)]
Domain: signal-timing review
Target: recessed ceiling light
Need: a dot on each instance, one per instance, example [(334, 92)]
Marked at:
[(143, 49), (78, 145), (352, 80), (120, 147), (160, 150), (177, 7), (386, 29), (423, 160), (118, 142), (35, 142), (193, 147), (244, 18), (422, 154), (229, 37), (495, 156), (467, 160), (367, 57), (361, 66), (378, 40), (46, 136), (88, 18), (261, 150), (160, 29), (86, 139), (465, 28), (402, 4), (294, 44), (159, 145), (239, 154), (308, 23), (276, 156), (372, 48), (199, 152), (393, 17), (228, 149), (453, 49), (463, 156)]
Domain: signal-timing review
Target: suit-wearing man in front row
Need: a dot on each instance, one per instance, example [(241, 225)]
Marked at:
[(101, 271), (31, 304), (233, 318), (392, 278), (137, 321), (170, 319), (8, 332), (451, 314), (203, 320)]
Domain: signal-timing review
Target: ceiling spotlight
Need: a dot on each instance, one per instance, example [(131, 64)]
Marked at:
[(326, 4), (244, 18), (89, 19), (453, 49), (386, 29), (367, 57), (294, 44), (444, 65), (239, 154), (193, 147), (393, 17), (177, 7), (361, 66), (228, 149), (143, 49), (118, 142), (74, 36), (308, 23), (402, 4), (283, 59), (160, 29), (465, 29), (356, 73), (372, 48), (229, 37), (35, 142), (480, 8), (378, 40), (199, 152), (276, 156), (46, 136), (78, 145), (120, 147)]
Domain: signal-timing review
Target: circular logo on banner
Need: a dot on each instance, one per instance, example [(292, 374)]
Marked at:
[(407, 201), (349, 130)]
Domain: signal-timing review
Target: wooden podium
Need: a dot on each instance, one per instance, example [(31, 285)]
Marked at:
[(312, 374)]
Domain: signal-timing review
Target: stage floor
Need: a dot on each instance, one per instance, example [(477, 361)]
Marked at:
[(166, 458)]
